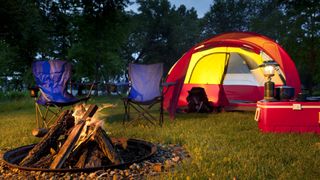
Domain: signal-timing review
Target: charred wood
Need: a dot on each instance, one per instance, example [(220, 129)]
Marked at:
[(44, 162), (95, 156), (106, 146), (49, 140), (82, 160), (69, 144)]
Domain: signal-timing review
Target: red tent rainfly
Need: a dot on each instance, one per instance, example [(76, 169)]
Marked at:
[(227, 66)]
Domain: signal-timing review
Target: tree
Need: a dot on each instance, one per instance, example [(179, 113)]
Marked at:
[(101, 32), (270, 20), (304, 39), (21, 35), (58, 17), (226, 16), (162, 32)]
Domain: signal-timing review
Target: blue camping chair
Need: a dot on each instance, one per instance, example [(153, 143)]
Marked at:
[(145, 91), (52, 79)]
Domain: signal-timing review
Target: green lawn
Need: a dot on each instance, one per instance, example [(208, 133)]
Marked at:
[(221, 146)]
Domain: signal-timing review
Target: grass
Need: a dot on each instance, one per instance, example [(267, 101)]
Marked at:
[(221, 146)]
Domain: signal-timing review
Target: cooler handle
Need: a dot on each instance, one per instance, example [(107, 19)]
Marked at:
[(257, 114)]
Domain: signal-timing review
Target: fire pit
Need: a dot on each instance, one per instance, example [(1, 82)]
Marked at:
[(73, 145), (136, 151)]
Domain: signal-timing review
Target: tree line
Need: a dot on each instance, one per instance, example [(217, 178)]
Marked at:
[(100, 37)]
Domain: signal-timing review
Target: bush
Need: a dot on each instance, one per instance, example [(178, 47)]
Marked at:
[(13, 95)]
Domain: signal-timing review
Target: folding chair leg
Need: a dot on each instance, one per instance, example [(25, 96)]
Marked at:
[(55, 115), (144, 113), (126, 111), (37, 115), (42, 120), (161, 112)]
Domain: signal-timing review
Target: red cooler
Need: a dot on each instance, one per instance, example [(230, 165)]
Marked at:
[(289, 116)]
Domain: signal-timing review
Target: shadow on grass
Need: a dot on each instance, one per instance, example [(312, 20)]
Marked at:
[(116, 118)]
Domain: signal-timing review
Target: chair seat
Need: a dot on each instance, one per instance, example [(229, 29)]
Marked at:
[(59, 100), (69, 103), (152, 101)]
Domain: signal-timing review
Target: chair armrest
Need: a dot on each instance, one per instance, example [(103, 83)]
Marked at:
[(167, 84)]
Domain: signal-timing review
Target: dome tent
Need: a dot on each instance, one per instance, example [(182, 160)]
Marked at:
[(227, 67)]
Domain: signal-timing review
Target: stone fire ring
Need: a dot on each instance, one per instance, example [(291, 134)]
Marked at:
[(13, 157)]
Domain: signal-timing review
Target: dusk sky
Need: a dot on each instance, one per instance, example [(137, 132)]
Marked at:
[(201, 6)]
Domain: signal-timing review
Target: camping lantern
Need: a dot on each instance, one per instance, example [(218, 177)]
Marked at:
[(268, 71)]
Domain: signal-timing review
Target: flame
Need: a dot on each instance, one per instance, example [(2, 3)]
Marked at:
[(78, 111), (92, 124)]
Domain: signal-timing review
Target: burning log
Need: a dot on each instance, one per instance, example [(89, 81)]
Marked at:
[(106, 146), (85, 145), (49, 140), (82, 160), (43, 162), (39, 132), (67, 147), (65, 150), (95, 157)]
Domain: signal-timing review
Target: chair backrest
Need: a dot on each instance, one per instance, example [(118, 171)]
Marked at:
[(145, 81), (52, 77)]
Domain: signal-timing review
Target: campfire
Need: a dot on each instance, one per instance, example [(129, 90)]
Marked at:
[(77, 140)]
